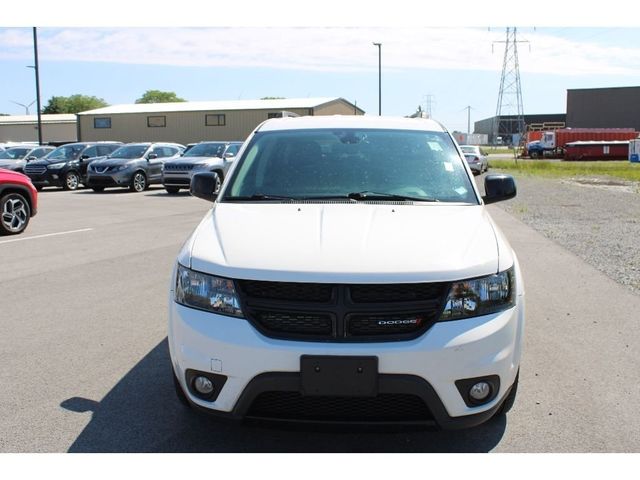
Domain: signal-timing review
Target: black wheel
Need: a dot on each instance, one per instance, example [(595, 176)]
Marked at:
[(172, 189), (179, 392), (71, 181), (511, 398), (138, 182), (15, 214), (97, 189)]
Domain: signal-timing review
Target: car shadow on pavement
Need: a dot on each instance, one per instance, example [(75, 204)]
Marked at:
[(164, 193), (142, 414)]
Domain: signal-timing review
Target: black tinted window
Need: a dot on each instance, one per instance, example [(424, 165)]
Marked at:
[(319, 163)]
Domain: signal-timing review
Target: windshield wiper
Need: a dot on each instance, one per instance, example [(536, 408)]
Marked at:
[(259, 197), (367, 195)]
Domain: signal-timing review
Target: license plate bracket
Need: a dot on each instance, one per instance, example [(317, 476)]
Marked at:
[(336, 375)]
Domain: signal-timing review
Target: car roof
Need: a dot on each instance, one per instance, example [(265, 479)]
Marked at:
[(351, 121)]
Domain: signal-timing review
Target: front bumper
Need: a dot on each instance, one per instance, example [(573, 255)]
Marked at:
[(172, 179), (50, 178), (426, 367), (118, 179)]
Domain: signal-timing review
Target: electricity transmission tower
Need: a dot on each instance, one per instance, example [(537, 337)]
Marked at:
[(510, 94)]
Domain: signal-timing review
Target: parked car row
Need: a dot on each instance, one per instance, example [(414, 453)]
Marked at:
[(100, 165)]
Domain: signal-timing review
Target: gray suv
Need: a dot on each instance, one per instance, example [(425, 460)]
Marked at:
[(135, 165), (15, 158), (213, 157)]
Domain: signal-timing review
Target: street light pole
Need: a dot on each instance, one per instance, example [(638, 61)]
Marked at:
[(379, 45), (35, 54)]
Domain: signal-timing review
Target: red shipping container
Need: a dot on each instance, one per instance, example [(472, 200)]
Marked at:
[(597, 150), (567, 135)]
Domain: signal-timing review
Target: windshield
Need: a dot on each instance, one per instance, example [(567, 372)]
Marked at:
[(352, 164), (14, 153), (129, 151), (66, 152), (206, 150)]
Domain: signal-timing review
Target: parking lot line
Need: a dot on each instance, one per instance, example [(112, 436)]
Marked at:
[(45, 235)]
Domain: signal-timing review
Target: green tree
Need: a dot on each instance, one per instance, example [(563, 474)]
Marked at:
[(158, 96), (73, 104)]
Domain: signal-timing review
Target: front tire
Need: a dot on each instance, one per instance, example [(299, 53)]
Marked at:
[(97, 189), (172, 190), (15, 213), (138, 182), (71, 181)]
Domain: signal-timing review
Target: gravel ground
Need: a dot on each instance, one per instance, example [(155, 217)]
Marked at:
[(595, 218)]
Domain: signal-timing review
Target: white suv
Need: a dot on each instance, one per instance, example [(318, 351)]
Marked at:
[(348, 272)]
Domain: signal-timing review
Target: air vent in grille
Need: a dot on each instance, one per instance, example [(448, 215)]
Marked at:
[(291, 291), (403, 292), (178, 167), (38, 169), (382, 408), (295, 323)]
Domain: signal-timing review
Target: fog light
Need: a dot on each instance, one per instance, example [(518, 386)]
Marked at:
[(203, 385), (480, 391)]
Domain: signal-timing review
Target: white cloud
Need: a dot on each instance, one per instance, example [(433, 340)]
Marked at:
[(323, 49)]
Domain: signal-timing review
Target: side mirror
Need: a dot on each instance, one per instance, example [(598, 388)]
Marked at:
[(229, 155), (204, 185), (152, 156), (31, 157), (498, 188), (84, 157)]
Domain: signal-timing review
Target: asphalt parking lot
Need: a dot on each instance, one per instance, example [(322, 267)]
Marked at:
[(85, 364)]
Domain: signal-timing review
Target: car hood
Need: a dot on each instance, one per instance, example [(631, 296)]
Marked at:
[(368, 243), (111, 162), (195, 160)]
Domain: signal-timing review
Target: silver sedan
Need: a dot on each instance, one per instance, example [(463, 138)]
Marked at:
[(476, 158)]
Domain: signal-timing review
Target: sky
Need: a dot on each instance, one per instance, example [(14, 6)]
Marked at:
[(449, 67)]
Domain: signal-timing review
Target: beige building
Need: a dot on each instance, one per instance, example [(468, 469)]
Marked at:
[(24, 128), (189, 122)]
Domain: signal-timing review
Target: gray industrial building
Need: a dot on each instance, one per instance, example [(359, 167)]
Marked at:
[(617, 107), (56, 128), (188, 122), (508, 124)]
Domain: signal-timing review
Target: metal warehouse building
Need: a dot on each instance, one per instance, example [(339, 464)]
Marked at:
[(508, 124), (188, 122), (24, 128), (617, 107)]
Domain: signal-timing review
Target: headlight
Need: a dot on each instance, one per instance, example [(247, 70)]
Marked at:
[(56, 166), (200, 166), (119, 168), (480, 296), (206, 292)]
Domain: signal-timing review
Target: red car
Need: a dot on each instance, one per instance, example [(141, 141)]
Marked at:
[(18, 202)]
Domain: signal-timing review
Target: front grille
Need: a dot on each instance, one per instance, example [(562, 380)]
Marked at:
[(381, 408), (35, 169), (404, 292), (101, 169), (302, 323), (341, 313), (178, 167), (291, 291)]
